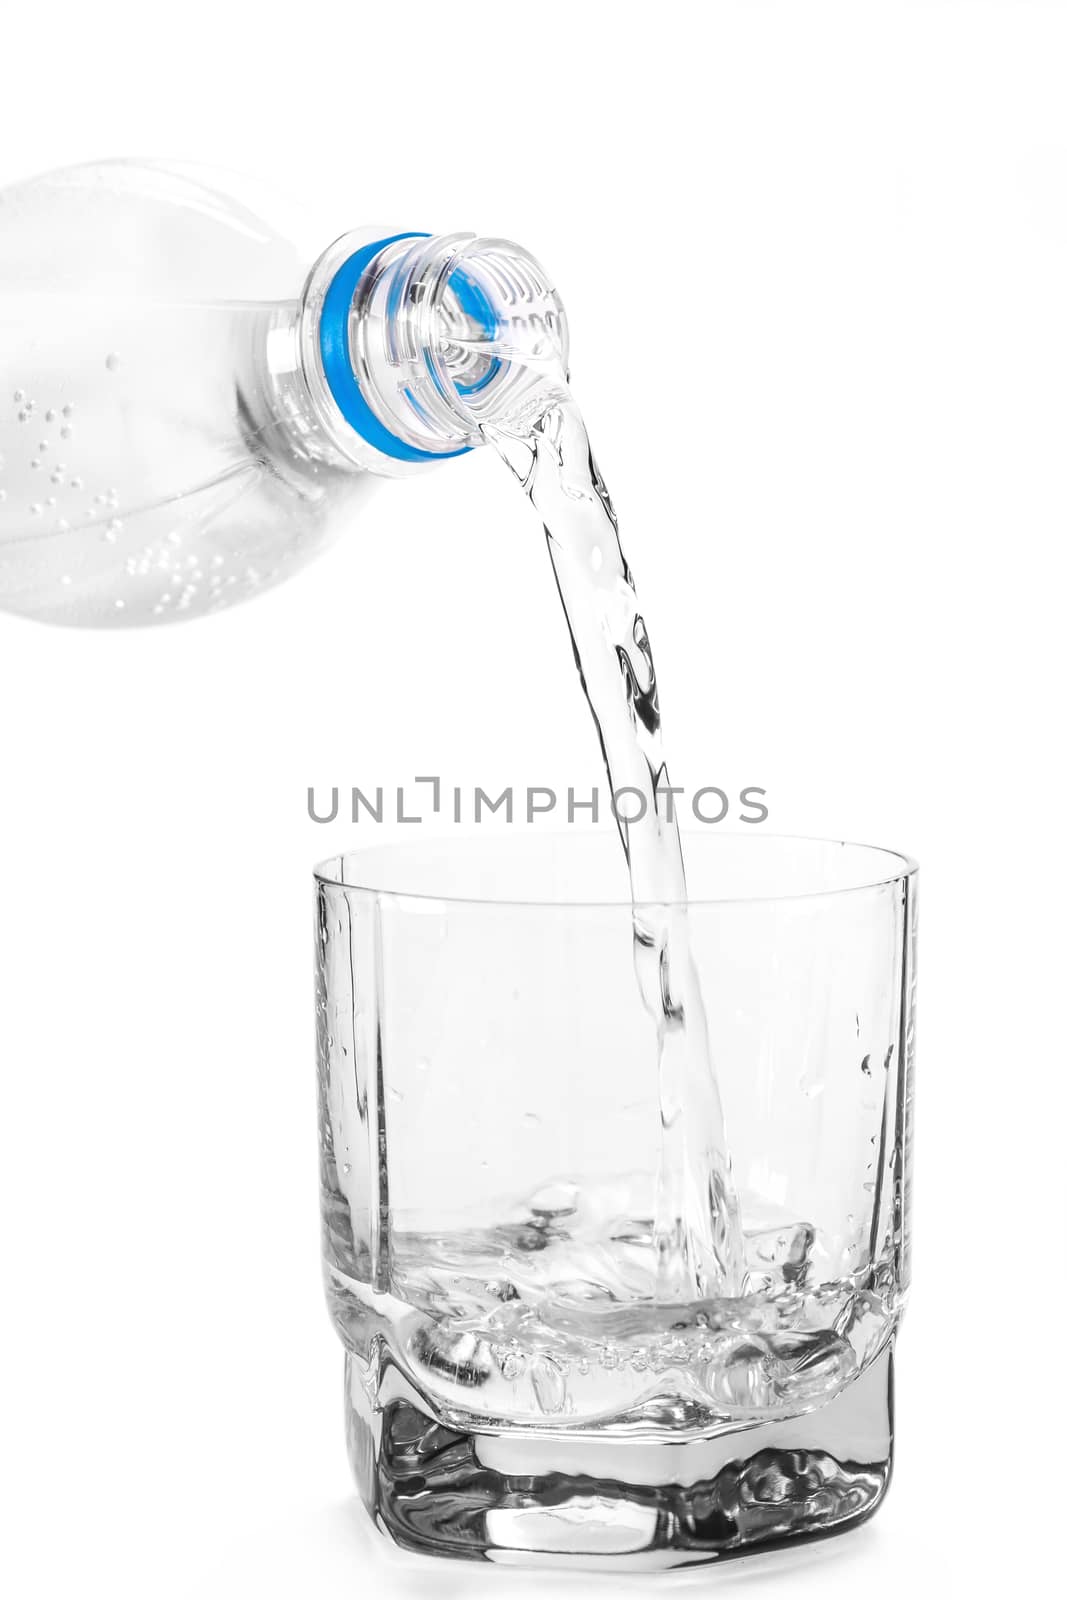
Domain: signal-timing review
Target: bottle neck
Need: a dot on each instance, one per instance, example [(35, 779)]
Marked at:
[(409, 343)]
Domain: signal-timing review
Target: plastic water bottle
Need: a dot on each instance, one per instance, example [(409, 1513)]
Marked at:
[(191, 407)]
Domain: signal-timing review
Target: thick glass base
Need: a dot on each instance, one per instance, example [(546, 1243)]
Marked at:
[(640, 1501)]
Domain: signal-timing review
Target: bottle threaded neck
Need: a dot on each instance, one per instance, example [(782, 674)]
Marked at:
[(411, 342)]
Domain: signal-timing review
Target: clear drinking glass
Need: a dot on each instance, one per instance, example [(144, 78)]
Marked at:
[(491, 1141)]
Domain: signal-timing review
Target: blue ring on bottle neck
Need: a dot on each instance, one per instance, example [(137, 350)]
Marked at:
[(337, 362)]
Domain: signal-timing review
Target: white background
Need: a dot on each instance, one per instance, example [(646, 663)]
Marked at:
[(815, 258)]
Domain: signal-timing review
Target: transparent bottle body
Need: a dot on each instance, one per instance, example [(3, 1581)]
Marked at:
[(154, 462)]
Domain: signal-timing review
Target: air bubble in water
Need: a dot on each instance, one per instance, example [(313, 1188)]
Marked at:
[(555, 1200), (740, 1376), (549, 1384)]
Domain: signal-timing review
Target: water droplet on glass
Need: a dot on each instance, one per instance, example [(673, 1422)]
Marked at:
[(112, 362), (50, 415), (68, 410), (20, 395), (865, 1066)]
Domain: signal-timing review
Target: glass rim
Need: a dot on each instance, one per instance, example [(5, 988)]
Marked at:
[(327, 873)]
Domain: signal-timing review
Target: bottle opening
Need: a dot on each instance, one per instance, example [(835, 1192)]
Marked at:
[(415, 340)]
